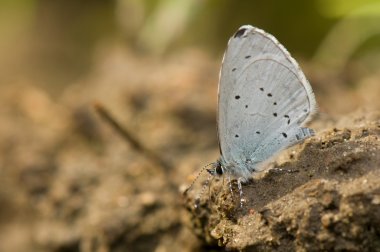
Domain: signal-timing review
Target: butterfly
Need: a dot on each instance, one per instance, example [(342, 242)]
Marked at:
[(264, 101)]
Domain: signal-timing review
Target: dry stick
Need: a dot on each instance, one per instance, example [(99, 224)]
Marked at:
[(136, 144)]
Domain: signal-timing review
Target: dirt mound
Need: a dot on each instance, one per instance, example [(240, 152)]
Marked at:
[(331, 200)]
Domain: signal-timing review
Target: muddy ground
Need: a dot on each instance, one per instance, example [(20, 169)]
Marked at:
[(69, 182)]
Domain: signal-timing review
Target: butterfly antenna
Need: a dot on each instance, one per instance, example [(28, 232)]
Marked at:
[(196, 178), (207, 184)]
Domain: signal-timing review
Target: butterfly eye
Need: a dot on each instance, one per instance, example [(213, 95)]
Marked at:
[(219, 170)]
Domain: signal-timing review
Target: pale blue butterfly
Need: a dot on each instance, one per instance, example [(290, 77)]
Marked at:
[(264, 103)]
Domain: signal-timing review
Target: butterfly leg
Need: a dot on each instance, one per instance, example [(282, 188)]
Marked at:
[(240, 192), (230, 185)]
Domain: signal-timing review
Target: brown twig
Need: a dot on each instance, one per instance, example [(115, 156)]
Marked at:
[(128, 137)]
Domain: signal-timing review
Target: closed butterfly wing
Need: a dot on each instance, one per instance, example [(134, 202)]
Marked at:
[(264, 98)]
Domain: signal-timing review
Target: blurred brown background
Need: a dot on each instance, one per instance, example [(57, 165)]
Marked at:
[(68, 181), (55, 42)]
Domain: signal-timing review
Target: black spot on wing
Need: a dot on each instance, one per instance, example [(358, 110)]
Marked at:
[(248, 56), (240, 33), (261, 89), (237, 97), (287, 116), (269, 95), (275, 114), (246, 106), (234, 69), (236, 135), (284, 134), (257, 132), (275, 103)]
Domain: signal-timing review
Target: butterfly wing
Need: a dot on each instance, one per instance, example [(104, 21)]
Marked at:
[(264, 98)]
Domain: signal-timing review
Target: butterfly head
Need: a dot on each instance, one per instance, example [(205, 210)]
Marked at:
[(216, 169)]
